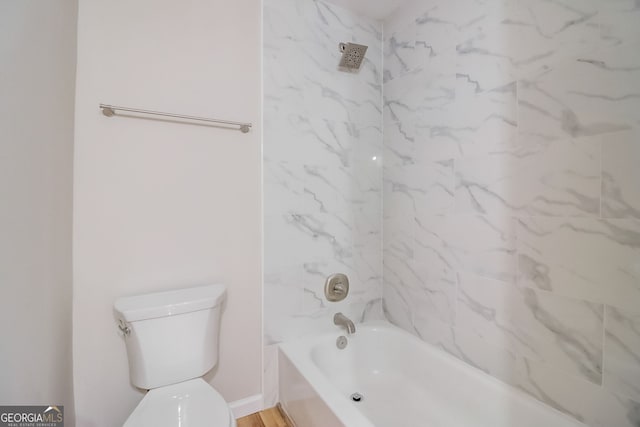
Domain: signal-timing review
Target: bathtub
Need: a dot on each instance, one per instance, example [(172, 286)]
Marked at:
[(404, 383)]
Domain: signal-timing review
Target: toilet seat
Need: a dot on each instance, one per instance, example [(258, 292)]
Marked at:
[(192, 403)]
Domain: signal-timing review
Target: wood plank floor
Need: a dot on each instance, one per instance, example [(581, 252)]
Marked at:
[(267, 418)]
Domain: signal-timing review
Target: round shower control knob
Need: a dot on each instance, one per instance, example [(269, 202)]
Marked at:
[(336, 287)]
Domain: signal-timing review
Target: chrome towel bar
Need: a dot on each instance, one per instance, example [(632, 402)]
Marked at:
[(110, 111)]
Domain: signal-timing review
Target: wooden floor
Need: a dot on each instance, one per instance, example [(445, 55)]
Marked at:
[(267, 418)]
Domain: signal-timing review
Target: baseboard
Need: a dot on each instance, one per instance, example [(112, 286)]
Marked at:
[(247, 406), (285, 415)]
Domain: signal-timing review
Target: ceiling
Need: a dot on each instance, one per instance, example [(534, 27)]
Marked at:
[(376, 9)]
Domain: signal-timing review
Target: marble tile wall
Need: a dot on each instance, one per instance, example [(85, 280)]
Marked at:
[(511, 193), (322, 167)]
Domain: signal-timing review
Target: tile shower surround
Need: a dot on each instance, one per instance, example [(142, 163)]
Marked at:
[(322, 167), (511, 192)]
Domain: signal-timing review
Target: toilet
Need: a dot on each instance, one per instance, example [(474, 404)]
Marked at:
[(172, 341)]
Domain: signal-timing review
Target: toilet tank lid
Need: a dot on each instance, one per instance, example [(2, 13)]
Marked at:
[(169, 303)]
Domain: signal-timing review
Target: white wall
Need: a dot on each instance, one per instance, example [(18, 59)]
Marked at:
[(37, 76), (160, 205)]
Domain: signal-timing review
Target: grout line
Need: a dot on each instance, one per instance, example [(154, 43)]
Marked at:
[(604, 339), (455, 302), (382, 168), (600, 189)]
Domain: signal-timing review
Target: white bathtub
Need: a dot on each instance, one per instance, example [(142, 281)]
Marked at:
[(405, 383)]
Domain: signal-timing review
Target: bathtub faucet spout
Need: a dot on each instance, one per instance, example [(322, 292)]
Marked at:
[(342, 320)]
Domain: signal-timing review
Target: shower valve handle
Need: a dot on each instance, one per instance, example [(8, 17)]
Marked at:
[(336, 288)]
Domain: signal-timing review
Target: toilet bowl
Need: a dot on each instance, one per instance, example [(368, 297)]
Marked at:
[(172, 341), (190, 403)]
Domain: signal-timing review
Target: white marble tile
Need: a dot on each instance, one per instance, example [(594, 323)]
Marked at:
[(533, 101), (497, 361), (484, 244), (590, 259), (397, 262), (596, 94), (560, 17), (434, 331), (350, 99), (435, 90), (282, 303), (427, 187), (585, 401), (619, 21), (301, 62), (316, 245), (401, 99), (486, 60), (431, 249), (402, 306), (395, 306), (592, 404), (399, 145), (500, 40), (457, 20), (286, 189), (316, 319), (412, 278), (416, 94), (545, 33), (316, 165), (312, 312), (367, 265), (397, 207), (561, 178), (486, 121), (352, 253), (480, 244), (323, 16), (559, 331), (327, 25), (374, 310), (418, 293), (473, 124), (436, 34), (621, 175), (398, 237), (339, 96), (436, 140), (399, 52), (367, 166), (403, 16), (301, 139), (331, 20), (371, 70), (319, 319), (622, 352), (322, 173)]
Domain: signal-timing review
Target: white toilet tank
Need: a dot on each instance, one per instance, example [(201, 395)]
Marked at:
[(171, 336)]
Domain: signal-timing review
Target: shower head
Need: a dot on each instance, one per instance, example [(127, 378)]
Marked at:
[(352, 55)]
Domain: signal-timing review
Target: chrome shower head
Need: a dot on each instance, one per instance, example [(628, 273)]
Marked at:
[(352, 55)]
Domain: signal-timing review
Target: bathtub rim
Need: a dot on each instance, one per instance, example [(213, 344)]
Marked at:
[(298, 352)]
